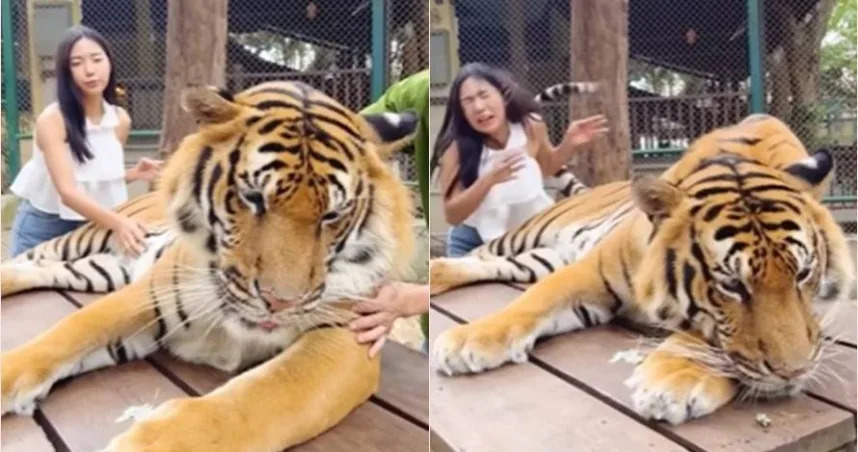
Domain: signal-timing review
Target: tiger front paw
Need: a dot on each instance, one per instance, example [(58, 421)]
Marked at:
[(25, 379), (178, 425), (481, 346), (668, 390)]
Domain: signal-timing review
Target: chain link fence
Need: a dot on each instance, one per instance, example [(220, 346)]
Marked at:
[(324, 43), (689, 71)]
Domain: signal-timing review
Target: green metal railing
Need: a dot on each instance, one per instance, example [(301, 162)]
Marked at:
[(755, 57), (379, 55), (10, 92)]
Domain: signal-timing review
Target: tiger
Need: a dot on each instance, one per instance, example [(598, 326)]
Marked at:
[(267, 222), (725, 251)]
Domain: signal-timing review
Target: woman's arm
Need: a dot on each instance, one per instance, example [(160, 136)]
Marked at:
[(551, 158), (460, 203), (122, 131), (51, 139)]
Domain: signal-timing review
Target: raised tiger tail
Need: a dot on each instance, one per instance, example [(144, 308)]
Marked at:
[(555, 92)]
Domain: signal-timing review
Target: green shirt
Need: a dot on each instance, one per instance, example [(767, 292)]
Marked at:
[(412, 93)]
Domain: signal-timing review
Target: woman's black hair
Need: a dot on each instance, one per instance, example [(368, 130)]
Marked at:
[(69, 96), (456, 128)]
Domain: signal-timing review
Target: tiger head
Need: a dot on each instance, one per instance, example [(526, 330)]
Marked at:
[(285, 195), (744, 247)]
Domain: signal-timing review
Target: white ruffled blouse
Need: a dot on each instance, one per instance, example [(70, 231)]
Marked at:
[(102, 177)]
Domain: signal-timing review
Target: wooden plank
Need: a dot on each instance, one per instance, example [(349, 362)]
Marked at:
[(842, 320), (585, 356), (370, 428), (201, 379), (84, 409), (28, 314), (405, 380), (841, 389), (22, 434), (796, 423), (83, 298), (369, 425), (525, 408), (404, 384)]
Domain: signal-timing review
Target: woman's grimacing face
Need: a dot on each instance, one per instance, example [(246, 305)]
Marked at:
[(483, 105), (90, 67)]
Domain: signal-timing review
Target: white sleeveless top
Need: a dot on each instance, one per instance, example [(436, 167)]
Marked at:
[(102, 177), (511, 203)]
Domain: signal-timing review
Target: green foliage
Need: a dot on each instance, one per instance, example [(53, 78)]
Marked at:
[(838, 55)]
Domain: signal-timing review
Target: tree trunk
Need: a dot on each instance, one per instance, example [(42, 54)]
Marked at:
[(515, 24), (600, 53), (196, 55), (415, 56), (794, 64)]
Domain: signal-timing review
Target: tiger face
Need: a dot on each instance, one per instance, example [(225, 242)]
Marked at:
[(744, 250), (284, 192)]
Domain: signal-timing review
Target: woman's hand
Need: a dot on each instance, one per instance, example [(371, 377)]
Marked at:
[(147, 169), (130, 233), (586, 130), (394, 300), (504, 169)]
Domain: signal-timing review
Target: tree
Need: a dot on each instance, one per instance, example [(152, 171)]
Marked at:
[(838, 58), (795, 30), (196, 55), (600, 52)]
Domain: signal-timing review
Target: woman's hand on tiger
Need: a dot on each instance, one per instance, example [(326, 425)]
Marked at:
[(130, 233), (586, 130), (394, 300)]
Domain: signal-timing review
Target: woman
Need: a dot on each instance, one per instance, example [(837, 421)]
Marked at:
[(77, 171), (494, 152)]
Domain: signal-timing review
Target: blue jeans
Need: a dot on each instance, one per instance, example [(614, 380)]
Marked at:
[(462, 239), (33, 226)]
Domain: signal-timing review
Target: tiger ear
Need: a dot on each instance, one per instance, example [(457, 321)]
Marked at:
[(209, 105), (391, 132), (813, 170), (656, 197)]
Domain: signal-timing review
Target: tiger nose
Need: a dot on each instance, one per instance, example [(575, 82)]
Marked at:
[(277, 304), (790, 373)]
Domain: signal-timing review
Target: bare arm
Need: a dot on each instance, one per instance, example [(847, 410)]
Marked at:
[(552, 158), (122, 131), (459, 202), (51, 139)]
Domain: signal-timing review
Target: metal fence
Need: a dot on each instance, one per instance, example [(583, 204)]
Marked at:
[(351, 50), (694, 66)]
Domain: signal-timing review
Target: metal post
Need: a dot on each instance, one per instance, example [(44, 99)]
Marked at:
[(755, 56), (10, 90), (379, 48)]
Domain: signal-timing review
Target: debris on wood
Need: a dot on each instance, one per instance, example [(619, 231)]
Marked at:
[(632, 356), (763, 420), (136, 412)]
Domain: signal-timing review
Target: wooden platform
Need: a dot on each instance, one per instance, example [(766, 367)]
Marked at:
[(569, 396), (80, 414)]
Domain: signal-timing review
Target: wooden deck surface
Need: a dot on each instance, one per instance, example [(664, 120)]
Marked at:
[(569, 396), (80, 414)]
